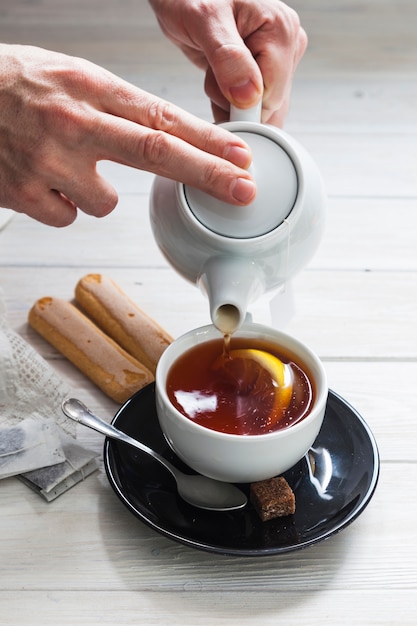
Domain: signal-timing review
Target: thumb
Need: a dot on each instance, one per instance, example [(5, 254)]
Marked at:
[(238, 75), (235, 70)]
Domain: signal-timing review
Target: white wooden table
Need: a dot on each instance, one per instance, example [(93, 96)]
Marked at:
[(84, 559)]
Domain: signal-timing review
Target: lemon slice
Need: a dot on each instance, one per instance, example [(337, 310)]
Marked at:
[(273, 365), (280, 374)]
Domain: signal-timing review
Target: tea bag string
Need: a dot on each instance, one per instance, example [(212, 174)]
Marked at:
[(13, 451)]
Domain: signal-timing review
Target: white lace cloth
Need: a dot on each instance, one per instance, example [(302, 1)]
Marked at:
[(37, 442)]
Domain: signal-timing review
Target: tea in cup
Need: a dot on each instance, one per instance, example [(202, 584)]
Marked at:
[(241, 412)]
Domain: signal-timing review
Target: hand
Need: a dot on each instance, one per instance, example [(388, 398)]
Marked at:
[(60, 115), (248, 48)]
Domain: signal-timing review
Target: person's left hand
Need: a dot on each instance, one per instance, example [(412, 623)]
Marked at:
[(248, 48)]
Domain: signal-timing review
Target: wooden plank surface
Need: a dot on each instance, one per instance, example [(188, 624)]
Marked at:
[(84, 559)]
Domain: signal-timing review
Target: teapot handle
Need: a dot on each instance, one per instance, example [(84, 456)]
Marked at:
[(246, 115)]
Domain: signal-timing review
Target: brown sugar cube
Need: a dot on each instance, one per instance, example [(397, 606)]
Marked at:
[(272, 498)]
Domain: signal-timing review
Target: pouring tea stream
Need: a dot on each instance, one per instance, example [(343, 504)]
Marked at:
[(236, 254)]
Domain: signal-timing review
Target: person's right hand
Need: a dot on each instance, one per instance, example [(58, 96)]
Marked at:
[(60, 115), (249, 49)]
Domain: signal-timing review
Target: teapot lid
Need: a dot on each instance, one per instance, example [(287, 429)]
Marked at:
[(277, 186)]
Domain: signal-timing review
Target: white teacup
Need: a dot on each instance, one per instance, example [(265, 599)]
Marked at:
[(232, 457)]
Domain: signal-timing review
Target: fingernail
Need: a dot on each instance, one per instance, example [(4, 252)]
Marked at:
[(243, 190), (238, 156), (246, 93)]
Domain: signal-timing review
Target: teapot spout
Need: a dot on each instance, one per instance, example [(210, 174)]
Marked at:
[(231, 284)]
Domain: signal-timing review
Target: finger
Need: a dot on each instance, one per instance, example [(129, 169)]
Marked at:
[(276, 42), (278, 64), (57, 206), (274, 106), (167, 155), (47, 206), (235, 70), (88, 191), (150, 112)]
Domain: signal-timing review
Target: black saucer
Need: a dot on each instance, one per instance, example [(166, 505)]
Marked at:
[(332, 485)]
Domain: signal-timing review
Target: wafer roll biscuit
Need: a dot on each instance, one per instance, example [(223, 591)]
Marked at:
[(120, 318), (110, 367)]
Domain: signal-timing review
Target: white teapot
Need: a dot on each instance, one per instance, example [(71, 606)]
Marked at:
[(236, 254)]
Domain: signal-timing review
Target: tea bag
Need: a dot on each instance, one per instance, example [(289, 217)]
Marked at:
[(28, 445), (51, 481), (31, 420)]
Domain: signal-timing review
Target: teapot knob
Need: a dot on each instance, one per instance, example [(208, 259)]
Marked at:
[(246, 115)]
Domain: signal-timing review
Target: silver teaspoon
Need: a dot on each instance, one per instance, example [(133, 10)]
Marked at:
[(198, 490)]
